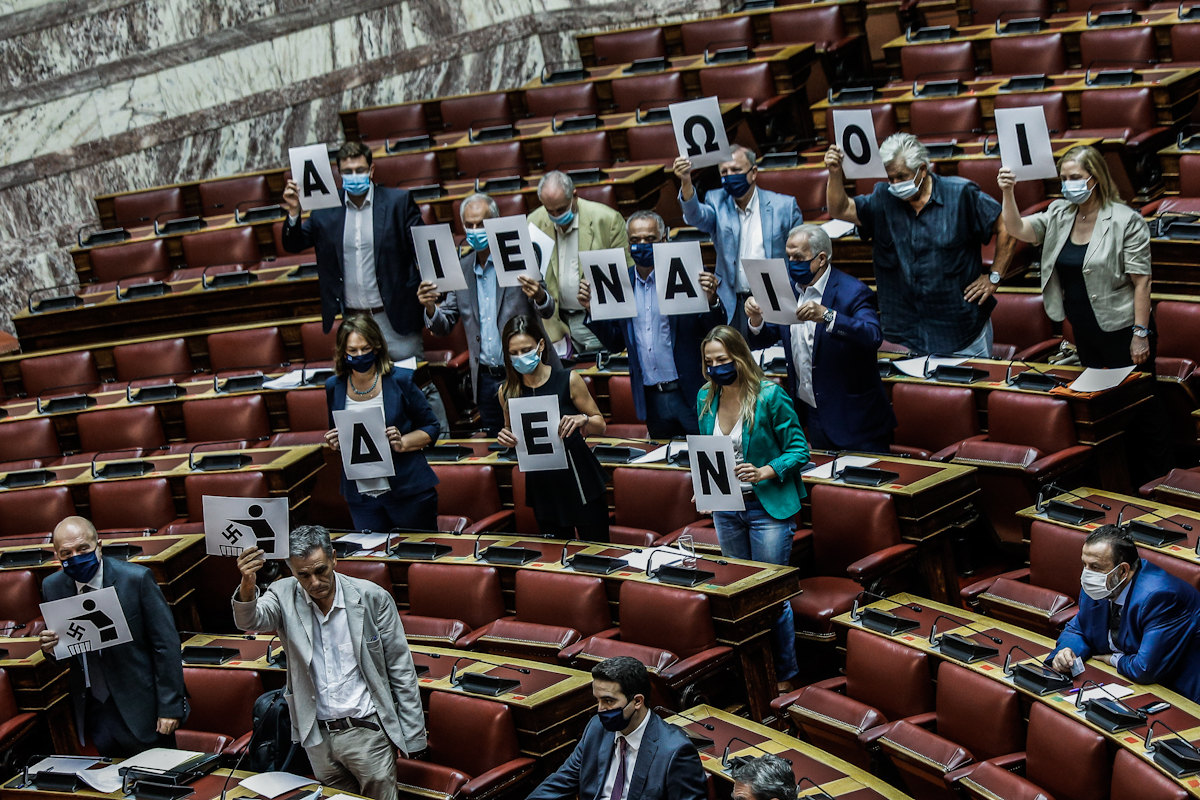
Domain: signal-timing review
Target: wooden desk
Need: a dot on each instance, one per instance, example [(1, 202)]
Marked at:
[(208, 787), (40, 686), (1175, 264), (835, 777), (1184, 716)]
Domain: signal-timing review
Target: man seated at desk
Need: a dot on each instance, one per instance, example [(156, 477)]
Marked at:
[(1132, 616), (767, 777)]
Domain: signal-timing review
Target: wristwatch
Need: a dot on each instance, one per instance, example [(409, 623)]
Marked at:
[(1140, 331), (829, 316), (994, 277)]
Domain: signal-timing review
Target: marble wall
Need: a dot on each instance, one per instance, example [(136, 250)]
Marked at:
[(101, 96)]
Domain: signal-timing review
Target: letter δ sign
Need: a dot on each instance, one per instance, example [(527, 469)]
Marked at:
[(314, 177), (231, 524), (700, 131), (512, 249), (437, 257), (772, 289), (1025, 142), (854, 132), (677, 268), (86, 622), (713, 480), (612, 291), (535, 424), (362, 438)]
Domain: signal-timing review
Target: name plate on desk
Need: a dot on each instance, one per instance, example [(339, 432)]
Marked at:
[(1034, 381), (220, 461), (481, 683), (1148, 533), (1177, 757), (24, 558), (239, 383), (968, 651), (612, 454), (866, 476), (448, 452), (202, 654), (1039, 680), (501, 554), (27, 477), (154, 394), (122, 469), (597, 565), (883, 622), (122, 551), (961, 373), (1059, 511), (421, 551), (71, 402), (682, 576), (1112, 715)]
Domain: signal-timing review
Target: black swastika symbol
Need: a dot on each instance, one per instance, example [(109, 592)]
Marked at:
[(231, 533), (76, 632)]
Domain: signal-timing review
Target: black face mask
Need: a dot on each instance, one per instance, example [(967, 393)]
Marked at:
[(614, 719)]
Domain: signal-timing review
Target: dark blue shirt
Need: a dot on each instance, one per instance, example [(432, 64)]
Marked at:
[(923, 262)]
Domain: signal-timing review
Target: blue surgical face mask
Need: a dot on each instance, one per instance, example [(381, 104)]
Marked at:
[(563, 221), (82, 568), (800, 272), (356, 184), (643, 254), (527, 362), (361, 363), (736, 184), (614, 719), (477, 239), (1076, 191), (905, 190), (723, 374)]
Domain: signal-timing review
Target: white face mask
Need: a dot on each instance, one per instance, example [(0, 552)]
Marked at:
[(1095, 584), (1076, 191), (905, 190)]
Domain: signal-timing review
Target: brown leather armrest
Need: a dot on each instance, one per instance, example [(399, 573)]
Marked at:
[(887, 560)]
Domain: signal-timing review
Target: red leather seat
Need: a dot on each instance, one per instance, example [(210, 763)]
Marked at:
[(318, 346), (509, 204), (473, 752), (806, 184), (14, 723), (625, 47), (1185, 44), (1097, 6), (475, 111), (485, 161), (226, 196), (525, 521), (932, 420), (239, 418), (408, 170), (144, 504), (650, 501), (391, 122), (553, 611), (374, 571), (822, 26), (1029, 55), (470, 490), (652, 144), (884, 681), (1020, 323), (153, 362), (1126, 114), (882, 114), (577, 151), (20, 614), (121, 428), (1054, 104), (622, 416), (944, 118), (559, 102), (307, 410), (221, 247), (752, 85), (1176, 361), (253, 350), (146, 260), (446, 601), (855, 541), (669, 630), (140, 209), (450, 349), (451, 524), (599, 193), (1117, 48), (28, 439), (222, 709), (61, 374), (281, 254), (28, 512), (221, 484), (710, 35), (1030, 442), (647, 92), (943, 61), (1134, 779), (1179, 487), (986, 12)]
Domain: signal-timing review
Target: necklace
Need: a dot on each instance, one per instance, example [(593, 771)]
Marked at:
[(368, 391)]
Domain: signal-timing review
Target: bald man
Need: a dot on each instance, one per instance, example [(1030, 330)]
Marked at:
[(130, 697)]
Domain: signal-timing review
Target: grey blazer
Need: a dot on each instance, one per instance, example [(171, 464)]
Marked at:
[(381, 648), (464, 304)]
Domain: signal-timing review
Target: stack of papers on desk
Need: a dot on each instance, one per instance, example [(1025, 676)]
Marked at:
[(836, 228), (662, 556), (918, 367), (367, 541), (106, 780), (1098, 380), (825, 471), (272, 784)]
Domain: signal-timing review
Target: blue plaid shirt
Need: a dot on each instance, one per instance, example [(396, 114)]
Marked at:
[(923, 263)]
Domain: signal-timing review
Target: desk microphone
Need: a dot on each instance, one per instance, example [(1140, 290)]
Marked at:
[(1009, 380), (666, 712), (854, 612), (1151, 512), (15, 626), (1008, 658), (935, 640), (1083, 687), (192, 449), (815, 785), (725, 755), (1041, 502), (1150, 737), (454, 667)]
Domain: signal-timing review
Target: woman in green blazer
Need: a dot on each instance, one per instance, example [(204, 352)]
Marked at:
[(738, 401)]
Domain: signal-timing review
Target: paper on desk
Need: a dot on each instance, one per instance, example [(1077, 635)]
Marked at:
[(1097, 380), (288, 380), (408, 363), (769, 355), (836, 228), (63, 764), (669, 555), (272, 784), (160, 758), (825, 471), (1108, 691), (917, 367), (367, 541), (660, 454), (105, 781)]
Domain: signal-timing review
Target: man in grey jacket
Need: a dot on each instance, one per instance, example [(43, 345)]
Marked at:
[(357, 701)]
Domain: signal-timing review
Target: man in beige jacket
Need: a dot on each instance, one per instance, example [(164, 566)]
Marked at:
[(351, 687)]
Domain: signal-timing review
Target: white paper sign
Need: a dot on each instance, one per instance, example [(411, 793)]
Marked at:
[(86, 622), (535, 424), (700, 132), (854, 132), (607, 274), (772, 289), (231, 524), (1025, 142), (362, 438), (543, 246), (713, 480), (437, 257), (314, 177), (677, 268), (512, 249)]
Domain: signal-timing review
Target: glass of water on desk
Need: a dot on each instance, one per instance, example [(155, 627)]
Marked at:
[(688, 546)]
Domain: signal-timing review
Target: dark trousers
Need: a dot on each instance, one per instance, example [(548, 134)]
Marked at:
[(592, 524), (491, 415), (389, 510), (109, 734), (670, 414), (818, 439)]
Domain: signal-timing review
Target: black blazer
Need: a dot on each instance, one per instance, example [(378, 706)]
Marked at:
[(404, 406), (145, 676), (396, 270)]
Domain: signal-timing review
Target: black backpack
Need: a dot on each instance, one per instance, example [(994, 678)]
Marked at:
[(271, 748)]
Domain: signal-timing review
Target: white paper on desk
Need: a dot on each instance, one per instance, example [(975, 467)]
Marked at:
[(367, 541), (272, 784), (161, 758), (408, 363), (917, 367), (837, 228), (661, 454), (85, 622), (1108, 691), (63, 764), (1098, 380), (288, 380), (825, 471), (106, 781), (669, 555)]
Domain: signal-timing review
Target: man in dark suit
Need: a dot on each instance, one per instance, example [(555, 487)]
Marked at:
[(765, 777), (1133, 616), (626, 752), (665, 370), (485, 307), (365, 258), (130, 697), (831, 350)]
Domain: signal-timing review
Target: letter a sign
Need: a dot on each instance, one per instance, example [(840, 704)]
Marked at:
[(314, 177), (362, 438), (700, 131), (713, 480)]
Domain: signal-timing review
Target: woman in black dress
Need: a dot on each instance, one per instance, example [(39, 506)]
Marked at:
[(566, 500)]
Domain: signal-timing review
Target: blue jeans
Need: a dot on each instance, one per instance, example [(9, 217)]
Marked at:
[(755, 535)]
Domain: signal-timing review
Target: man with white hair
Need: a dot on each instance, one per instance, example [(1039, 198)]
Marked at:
[(577, 226), (934, 294)]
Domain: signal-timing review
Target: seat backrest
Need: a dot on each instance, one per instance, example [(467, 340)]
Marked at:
[(577, 151), (30, 511), (1065, 758), (849, 524), (660, 500), (28, 438), (1134, 779), (497, 160), (739, 83), (165, 358), (1096, 6), (470, 734), (933, 417), (1021, 319), (1186, 571), (221, 484), (1113, 48), (8, 698), (445, 591), (1185, 42), (943, 61), (221, 419), (716, 34), (882, 114), (1029, 55), (469, 490), (1131, 108), (983, 171), (526, 521), (986, 12), (140, 209), (316, 344), (144, 503), (1189, 172), (224, 196), (602, 193), (807, 185), (476, 111), (1178, 329), (392, 122), (255, 348), (220, 247), (625, 47), (666, 617), (887, 675), (571, 100), (307, 410), (375, 571), (964, 698), (1030, 420), (567, 601), (821, 26), (647, 91), (125, 260), (620, 400), (947, 117), (64, 373), (652, 143), (120, 428), (1054, 104), (221, 700), (407, 170), (1054, 557), (19, 598), (277, 237)]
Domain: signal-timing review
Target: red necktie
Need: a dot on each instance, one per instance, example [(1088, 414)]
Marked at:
[(619, 785)]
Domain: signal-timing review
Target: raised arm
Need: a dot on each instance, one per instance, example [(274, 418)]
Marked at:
[(838, 203)]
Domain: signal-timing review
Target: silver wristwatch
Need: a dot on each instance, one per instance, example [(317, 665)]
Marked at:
[(1141, 332), (994, 277), (829, 316)]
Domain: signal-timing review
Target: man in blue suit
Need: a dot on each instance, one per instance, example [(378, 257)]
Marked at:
[(665, 372), (744, 221), (1135, 617), (626, 752), (831, 350)]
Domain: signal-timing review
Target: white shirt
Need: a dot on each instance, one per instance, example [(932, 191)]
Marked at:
[(632, 742), (361, 288), (750, 243), (567, 247), (739, 457), (803, 339), (341, 688)]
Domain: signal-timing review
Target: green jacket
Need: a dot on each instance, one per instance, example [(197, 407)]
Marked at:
[(777, 440)]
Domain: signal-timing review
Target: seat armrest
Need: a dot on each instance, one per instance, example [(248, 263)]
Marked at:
[(869, 737), (459, 361), (1013, 762), (1058, 464), (884, 561), (801, 536), (1145, 137), (568, 653), (497, 777), (1060, 620), (500, 521), (969, 593), (946, 453), (467, 640), (1039, 350), (239, 745), (838, 684), (833, 47), (768, 105), (680, 668)]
